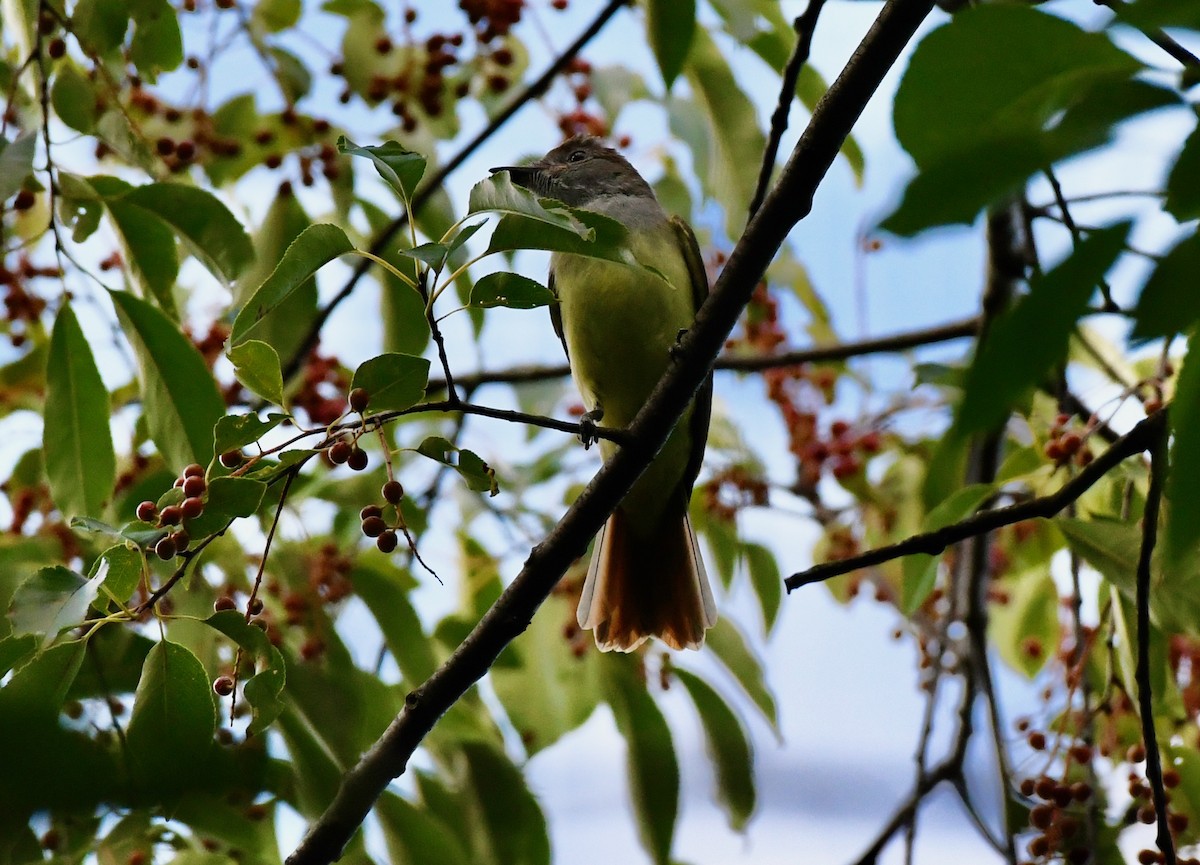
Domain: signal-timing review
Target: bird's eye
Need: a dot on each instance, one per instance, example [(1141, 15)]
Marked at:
[(577, 156)]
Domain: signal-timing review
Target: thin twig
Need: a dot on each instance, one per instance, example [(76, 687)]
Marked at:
[(535, 89), (1135, 441), (1156, 35), (1158, 470), (1069, 223), (805, 25)]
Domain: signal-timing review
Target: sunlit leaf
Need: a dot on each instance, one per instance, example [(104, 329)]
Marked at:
[(52, 600), (263, 689), (16, 163), (399, 166), (227, 498), (920, 570), (180, 398), (256, 365), (77, 443), (237, 431), (156, 45), (731, 649), (479, 476), (392, 381), (766, 579), (1025, 627)]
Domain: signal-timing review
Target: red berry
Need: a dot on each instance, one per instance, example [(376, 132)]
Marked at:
[(373, 526), (1037, 741), (25, 199), (182, 539), (194, 486), (223, 685), (231, 459), (393, 492), (1136, 753), (193, 470), (358, 399), (165, 548), (192, 507), (170, 515), (57, 48), (224, 602), (387, 541), (358, 459), (370, 511), (165, 146), (340, 452), (147, 511)]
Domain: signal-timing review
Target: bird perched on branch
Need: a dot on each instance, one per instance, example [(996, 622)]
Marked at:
[(619, 324)]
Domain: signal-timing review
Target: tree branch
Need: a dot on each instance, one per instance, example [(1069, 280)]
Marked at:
[(804, 25), (788, 202), (532, 91), (1135, 441), (1158, 470)]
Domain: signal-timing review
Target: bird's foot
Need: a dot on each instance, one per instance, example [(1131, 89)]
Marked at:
[(677, 346), (588, 425)]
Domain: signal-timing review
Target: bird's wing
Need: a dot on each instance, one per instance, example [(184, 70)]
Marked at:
[(702, 407), (556, 316)]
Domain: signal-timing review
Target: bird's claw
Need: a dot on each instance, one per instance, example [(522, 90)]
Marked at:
[(677, 346), (588, 424)]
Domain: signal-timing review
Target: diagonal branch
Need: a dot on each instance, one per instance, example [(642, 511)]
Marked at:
[(535, 89), (1135, 441), (789, 202)]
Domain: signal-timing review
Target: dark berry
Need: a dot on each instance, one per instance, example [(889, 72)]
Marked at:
[(255, 606), (231, 459), (358, 459), (387, 541), (370, 511), (193, 470), (194, 486), (57, 48), (340, 452), (358, 399), (170, 515), (147, 511), (25, 199), (224, 602), (165, 548), (192, 507), (373, 526), (393, 492), (182, 539), (223, 685)]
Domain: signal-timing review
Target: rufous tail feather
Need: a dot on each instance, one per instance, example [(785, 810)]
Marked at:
[(647, 585)]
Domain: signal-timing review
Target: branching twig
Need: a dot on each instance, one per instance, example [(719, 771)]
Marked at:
[(1135, 441), (1157, 36), (788, 202), (434, 183), (1158, 470), (804, 25)]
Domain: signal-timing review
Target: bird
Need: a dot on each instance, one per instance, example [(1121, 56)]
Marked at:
[(619, 324)]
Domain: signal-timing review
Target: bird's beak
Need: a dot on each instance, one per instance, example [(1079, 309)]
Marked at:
[(522, 175)]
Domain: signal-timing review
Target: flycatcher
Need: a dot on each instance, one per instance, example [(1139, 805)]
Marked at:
[(618, 324)]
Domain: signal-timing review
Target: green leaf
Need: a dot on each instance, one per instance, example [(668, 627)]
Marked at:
[(256, 365), (650, 759), (1183, 515), (388, 602), (263, 690), (212, 234), (502, 809), (157, 45), (39, 687), (414, 836), (399, 166), (116, 655), (1029, 339), (547, 687), (77, 442), (1183, 184), (767, 581), (228, 498), (480, 477), (997, 67), (293, 76), (1169, 303), (405, 324), (52, 600), (73, 97), (728, 747), (732, 130), (276, 15), (125, 568), (393, 381), (510, 290), (671, 24), (237, 431), (315, 247), (170, 733), (180, 400), (432, 254), (1025, 629), (731, 649), (604, 238), (148, 241), (16, 163), (498, 194), (100, 25), (920, 570)]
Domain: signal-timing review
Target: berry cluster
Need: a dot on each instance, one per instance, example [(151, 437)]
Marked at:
[(579, 120), (492, 18), (21, 306), (171, 517), (322, 389), (728, 491), (1068, 445), (386, 534)]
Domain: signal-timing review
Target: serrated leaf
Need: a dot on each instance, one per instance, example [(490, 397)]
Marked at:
[(264, 689), (237, 431), (52, 600), (728, 747), (170, 733), (256, 365), (396, 164), (315, 247), (180, 400), (650, 759), (510, 290), (211, 233), (393, 381), (670, 25), (1183, 515), (1026, 341), (1169, 304), (77, 443), (730, 648), (16, 163), (920, 570), (227, 498)]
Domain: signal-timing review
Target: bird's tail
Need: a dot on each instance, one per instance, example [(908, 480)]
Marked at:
[(647, 585)]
